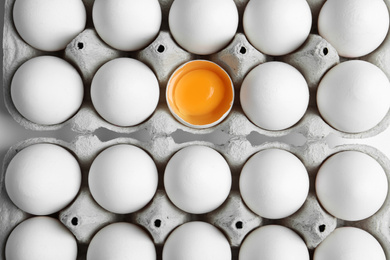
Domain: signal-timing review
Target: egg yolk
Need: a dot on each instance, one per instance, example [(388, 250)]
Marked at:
[(200, 92)]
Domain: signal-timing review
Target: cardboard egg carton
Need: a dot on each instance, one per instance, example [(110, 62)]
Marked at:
[(87, 52), (84, 217)]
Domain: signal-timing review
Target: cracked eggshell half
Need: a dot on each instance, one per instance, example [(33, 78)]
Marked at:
[(200, 94)]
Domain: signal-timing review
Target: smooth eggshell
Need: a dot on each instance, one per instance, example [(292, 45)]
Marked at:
[(202, 26), (274, 96), (274, 183), (273, 242), (42, 179), (47, 90), (351, 185), (49, 25), (197, 179), (354, 27), (277, 27), (121, 241), (41, 238), (196, 240), (127, 25), (349, 243), (354, 96), (125, 92), (123, 178)]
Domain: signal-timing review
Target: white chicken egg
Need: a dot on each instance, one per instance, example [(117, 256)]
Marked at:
[(351, 185), (274, 95), (354, 27), (47, 90), (354, 96), (349, 243), (273, 242), (196, 240), (125, 92), (203, 26), (49, 25), (42, 179), (197, 179), (274, 183), (121, 241), (127, 25), (277, 27), (123, 178), (42, 238)]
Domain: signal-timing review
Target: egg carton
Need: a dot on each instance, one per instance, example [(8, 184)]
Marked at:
[(84, 217), (87, 52)]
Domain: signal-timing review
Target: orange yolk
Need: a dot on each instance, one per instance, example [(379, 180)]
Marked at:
[(200, 93)]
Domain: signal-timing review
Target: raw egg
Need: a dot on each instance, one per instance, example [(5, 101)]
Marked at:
[(351, 185), (277, 27), (47, 90), (125, 92), (49, 25), (349, 243), (354, 27), (274, 96), (197, 179), (273, 242), (42, 179), (274, 183), (196, 240), (127, 25), (41, 238), (354, 96), (200, 94), (202, 26), (121, 241), (123, 179)]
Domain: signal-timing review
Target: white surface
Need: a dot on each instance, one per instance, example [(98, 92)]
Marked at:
[(47, 90), (351, 185), (42, 238), (349, 243), (196, 240), (127, 25), (121, 241), (277, 27), (273, 242), (49, 25), (43, 178), (274, 95), (123, 179), (125, 91), (354, 27), (197, 179), (274, 183), (203, 27), (353, 96)]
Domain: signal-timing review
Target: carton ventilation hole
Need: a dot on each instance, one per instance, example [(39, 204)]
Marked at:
[(75, 221), (325, 51), (239, 224), (80, 45), (322, 228), (242, 50), (157, 223), (161, 48)]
